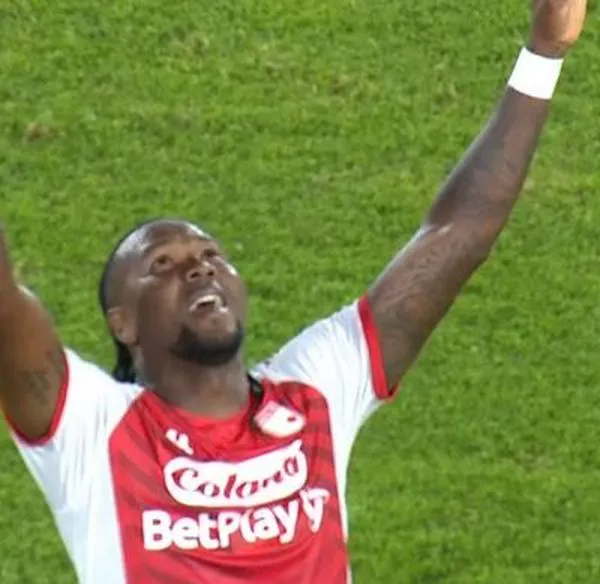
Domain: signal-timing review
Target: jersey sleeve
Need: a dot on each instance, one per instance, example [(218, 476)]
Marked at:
[(90, 403), (340, 356)]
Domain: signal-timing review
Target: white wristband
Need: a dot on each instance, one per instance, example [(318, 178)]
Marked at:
[(535, 75)]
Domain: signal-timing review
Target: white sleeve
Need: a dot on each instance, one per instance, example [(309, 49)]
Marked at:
[(339, 356), (90, 404)]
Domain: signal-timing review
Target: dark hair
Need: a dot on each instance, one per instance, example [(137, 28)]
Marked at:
[(123, 370)]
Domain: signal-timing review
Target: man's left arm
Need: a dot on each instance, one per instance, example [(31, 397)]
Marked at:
[(416, 290)]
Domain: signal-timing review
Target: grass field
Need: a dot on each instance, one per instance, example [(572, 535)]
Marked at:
[(310, 137)]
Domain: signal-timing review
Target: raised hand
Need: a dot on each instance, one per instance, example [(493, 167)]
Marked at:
[(556, 26)]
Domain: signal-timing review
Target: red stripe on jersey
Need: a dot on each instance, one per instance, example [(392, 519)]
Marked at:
[(380, 386)]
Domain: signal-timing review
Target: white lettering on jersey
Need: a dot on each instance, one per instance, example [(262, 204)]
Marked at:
[(258, 481), (181, 440), (312, 503), (211, 532)]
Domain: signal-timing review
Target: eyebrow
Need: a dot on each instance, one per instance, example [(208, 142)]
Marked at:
[(150, 247)]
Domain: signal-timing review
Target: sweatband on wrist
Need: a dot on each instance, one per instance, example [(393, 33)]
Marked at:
[(535, 75)]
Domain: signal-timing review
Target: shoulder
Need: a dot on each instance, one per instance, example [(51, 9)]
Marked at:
[(338, 354), (320, 351)]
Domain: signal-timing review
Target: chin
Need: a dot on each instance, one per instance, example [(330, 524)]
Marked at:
[(215, 347)]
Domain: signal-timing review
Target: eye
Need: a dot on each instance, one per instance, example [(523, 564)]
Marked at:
[(161, 263)]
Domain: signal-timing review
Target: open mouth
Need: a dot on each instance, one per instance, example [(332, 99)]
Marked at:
[(207, 302)]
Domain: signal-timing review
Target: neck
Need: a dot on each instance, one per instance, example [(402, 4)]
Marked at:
[(213, 391)]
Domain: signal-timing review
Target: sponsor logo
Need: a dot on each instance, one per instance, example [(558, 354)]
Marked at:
[(258, 481), (212, 531)]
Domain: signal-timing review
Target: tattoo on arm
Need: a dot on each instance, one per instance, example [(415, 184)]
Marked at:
[(40, 381), (422, 282)]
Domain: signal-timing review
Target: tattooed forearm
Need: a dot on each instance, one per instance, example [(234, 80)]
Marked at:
[(422, 282), (483, 188)]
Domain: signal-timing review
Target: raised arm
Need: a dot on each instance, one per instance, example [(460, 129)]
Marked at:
[(31, 356), (416, 290)]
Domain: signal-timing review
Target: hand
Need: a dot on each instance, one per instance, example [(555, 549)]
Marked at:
[(556, 26)]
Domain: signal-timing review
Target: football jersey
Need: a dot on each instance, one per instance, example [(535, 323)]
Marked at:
[(145, 493)]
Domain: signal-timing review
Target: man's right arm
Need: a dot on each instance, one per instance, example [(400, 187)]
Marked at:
[(32, 364)]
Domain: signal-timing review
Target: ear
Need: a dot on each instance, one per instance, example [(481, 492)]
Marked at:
[(122, 327)]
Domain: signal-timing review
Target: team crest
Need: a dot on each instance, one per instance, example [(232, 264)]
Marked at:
[(279, 421)]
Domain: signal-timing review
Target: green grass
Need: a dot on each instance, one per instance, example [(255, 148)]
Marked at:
[(310, 137)]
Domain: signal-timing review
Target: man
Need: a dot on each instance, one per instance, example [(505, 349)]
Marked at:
[(185, 468)]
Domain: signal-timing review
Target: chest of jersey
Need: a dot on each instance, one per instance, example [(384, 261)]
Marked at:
[(229, 503)]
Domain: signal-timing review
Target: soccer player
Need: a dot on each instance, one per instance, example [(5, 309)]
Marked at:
[(186, 468)]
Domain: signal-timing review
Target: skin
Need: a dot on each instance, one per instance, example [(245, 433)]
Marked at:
[(159, 271), (408, 300)]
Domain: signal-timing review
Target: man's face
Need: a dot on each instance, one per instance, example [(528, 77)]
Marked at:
[(180, 294)]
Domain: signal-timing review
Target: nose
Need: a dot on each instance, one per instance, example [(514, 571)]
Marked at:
[(198, 270)]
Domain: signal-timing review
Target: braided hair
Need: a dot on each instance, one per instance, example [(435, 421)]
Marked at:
[(124, 369)]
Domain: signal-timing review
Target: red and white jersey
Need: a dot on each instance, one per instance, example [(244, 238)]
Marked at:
[(144, 493)]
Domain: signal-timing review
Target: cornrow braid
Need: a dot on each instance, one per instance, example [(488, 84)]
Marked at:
[(124, 369)]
